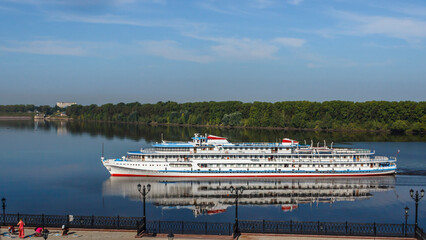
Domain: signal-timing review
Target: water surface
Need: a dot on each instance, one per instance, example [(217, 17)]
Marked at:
[(55, 168)]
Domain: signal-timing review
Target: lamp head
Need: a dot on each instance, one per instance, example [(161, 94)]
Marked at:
[(406, 210), (232, 189), (422, 192), (148, 187), (170, 236), (3, 200), (411, 192), (139, 187), (45, 234), (241, 189)]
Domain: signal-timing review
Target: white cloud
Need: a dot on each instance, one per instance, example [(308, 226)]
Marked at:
[(294, 2), (245, 49), (290, 42), (170, 50), (409, 10), (262, 3), (408, 29), (7, 9), (119, 20), (44, 47), (249, 49), (313, 65), (229, 10), (82, 3)]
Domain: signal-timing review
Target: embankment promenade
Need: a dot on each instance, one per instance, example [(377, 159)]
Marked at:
[(107, 234)]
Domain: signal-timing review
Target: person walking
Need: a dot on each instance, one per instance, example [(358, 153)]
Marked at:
[(21, 225)]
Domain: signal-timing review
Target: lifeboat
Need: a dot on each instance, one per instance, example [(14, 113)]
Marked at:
[(216, 211), (289, 207), (216, 140), (289, 142)]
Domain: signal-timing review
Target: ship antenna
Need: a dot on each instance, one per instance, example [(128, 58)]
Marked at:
[(331, 145), (162, 137), (102, 150), (397, 153), (325, 143), (304, 141)]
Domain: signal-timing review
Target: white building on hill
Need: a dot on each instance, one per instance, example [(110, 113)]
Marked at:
[(65, 104)]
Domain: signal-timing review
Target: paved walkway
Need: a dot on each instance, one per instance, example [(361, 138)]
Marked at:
[(84, 234)]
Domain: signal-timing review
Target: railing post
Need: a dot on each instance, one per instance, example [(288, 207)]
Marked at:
[(374, 227), (92, 224), (291, 226), (68, 220), (118, 221), (318, 227), (159, 226), (42, 220), (182, 227), (416, 230), (18, 218), (263, 226), (205, 228), (346, 227)]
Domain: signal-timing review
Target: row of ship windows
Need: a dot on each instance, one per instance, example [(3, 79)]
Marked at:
[(284, 165), (244, 157), (260, 165), (254, 148), (177, 149), (138, 164)]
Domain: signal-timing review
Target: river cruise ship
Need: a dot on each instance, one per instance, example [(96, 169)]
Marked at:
[(213, 156)]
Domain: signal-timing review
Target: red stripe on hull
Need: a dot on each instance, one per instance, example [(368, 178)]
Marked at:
[(256, 176)]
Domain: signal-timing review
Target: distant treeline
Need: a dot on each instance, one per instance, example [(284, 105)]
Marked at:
[(331, 115), (22, 108)]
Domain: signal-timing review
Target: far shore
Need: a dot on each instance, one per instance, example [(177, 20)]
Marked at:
[(48, 118), (16, 117)]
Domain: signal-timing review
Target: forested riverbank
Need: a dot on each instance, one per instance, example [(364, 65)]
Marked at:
[(397, 117)]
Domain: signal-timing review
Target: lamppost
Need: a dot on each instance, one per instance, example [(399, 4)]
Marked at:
[(416, 197), (144, 192), (3, 201), (237, 191), (406, 220)]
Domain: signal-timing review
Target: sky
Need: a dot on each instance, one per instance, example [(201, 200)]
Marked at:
[(111, 51)]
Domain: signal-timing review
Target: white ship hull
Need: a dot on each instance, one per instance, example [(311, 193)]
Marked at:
[(135, 172)]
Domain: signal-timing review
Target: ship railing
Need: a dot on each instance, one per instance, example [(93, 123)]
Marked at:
[(353, 151), (159, 151), (250, 152), (334, 160), (380, 158), (218, 228)]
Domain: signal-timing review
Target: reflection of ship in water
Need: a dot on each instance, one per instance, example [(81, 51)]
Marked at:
[(213, 196)]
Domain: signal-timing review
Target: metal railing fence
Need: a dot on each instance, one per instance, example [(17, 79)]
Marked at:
[(217, 228)]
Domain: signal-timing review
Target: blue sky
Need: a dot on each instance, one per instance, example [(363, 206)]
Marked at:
[(110, 51)]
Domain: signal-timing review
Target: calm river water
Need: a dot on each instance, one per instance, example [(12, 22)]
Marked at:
[(55, 168)]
